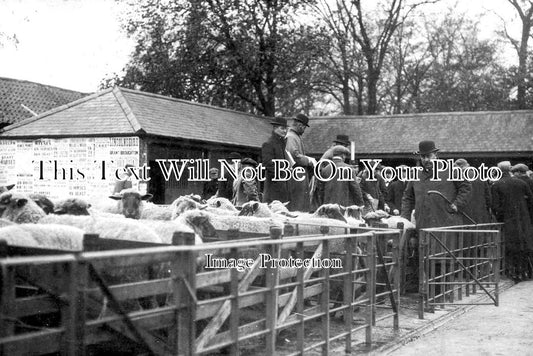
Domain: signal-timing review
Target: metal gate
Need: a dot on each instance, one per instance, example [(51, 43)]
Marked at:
[(457, 261)]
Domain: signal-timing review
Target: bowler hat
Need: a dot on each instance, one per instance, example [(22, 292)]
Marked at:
[(249, 161), (303, 119), (520, 167), (426, 147), (279, 121), (342, 140), (234, 155), (340, 150)]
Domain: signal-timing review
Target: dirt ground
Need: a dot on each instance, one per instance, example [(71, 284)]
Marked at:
[(484, 330)]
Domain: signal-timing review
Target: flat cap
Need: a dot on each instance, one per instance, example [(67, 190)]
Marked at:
[(520, 167)]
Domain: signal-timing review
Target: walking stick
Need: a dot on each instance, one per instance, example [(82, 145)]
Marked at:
[(449, 202)]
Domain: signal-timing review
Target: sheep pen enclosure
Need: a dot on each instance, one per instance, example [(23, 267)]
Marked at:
[(76, 304)]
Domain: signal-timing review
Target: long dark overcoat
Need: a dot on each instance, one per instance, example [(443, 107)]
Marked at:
[(479, 203), (299, 189), (274, 148), (395, 194), (432, 210), (341, 192), (511, 199)]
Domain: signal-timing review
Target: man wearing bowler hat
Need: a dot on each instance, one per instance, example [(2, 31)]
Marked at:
[(432, 210), (340, 140), (295, 147), (272, 149)]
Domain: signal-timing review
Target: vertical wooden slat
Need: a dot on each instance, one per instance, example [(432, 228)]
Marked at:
[(325, 301), (475, 252), (234, 316), (461, 272), (348, 291), (82, 277), (423, 272), (272, 295), (183, 273), (396, 252), (7, 301), (300, 300), (69, 308), (497, 268), (370, 286)]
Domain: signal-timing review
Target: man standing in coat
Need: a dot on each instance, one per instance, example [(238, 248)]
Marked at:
[(272, 149), (478, 207), (511, 203), (432, 210), (394, 195), (336, 191), (299, 186)]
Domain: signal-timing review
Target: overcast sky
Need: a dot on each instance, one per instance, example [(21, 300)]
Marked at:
[(73, 44)]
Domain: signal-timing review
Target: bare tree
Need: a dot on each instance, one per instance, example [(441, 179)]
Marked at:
[(524, 8)]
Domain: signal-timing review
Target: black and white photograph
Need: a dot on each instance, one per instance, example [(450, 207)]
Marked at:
[(266, 177)]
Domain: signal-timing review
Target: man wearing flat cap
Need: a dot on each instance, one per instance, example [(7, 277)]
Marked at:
[(272, 149), (432, 210), (512, 203), (295, 147), (337, 191)]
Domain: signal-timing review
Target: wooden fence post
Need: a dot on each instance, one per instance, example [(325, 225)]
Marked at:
[(271, 298), (348, 292), (183, 278), (423, 271)]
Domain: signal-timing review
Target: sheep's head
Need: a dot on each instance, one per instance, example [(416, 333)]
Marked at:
[(72, 206), (185, 203), (43, 202), (12, 200), (255, 208), (354, 211), (278, 207), (201, 224), (331, 211), (131, 202)]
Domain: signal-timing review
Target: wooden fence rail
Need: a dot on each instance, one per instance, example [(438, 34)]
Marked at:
[(160, 300)]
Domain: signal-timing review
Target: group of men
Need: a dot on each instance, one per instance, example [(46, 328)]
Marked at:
[(508, 200)]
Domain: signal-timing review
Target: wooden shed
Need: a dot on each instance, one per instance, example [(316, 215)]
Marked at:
[(477, 136), (121, 126)]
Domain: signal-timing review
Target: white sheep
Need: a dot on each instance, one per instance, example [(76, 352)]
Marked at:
[(192, 221), (50, 236), (19, 208), (107, 228), (151, 211), (221, 206), (129, 202), (72, 206), (183, 204)]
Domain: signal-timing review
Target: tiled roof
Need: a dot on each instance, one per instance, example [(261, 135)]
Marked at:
[(15, 95), (503, 131), (122, 111)]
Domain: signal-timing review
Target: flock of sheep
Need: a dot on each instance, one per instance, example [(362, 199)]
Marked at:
[(35, 221)]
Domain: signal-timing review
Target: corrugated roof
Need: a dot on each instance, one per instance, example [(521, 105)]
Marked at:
[(502, 131), (122, 111), (16, 94)]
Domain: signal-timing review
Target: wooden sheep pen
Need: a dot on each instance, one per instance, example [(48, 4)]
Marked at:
[(193, 320)]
